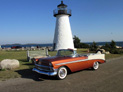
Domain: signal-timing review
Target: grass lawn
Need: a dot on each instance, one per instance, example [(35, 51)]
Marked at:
[(25, 67)]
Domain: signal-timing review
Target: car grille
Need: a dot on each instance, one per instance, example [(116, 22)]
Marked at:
[(44, 68), (45, 63)]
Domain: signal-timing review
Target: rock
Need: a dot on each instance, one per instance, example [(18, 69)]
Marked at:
[(101, 50), (107, 52), (98, 52), (9, 64)]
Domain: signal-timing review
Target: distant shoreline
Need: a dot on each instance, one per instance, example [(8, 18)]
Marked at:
[(26, 45), (118, 43)]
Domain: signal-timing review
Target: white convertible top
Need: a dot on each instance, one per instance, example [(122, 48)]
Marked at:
[(96, 56)]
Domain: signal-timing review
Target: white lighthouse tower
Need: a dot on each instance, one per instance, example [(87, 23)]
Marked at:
[(63, 36)]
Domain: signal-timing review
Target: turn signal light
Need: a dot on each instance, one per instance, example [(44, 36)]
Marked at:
[(36, 59)]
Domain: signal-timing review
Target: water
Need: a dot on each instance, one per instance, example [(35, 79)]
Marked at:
[(47, 45), (26, 45)]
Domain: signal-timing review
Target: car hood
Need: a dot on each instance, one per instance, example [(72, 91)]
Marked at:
[(54, 58)]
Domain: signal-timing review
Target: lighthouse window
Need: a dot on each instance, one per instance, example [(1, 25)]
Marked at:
[(62, 8)]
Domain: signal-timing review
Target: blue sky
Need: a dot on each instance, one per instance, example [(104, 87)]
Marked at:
[(32, 21)]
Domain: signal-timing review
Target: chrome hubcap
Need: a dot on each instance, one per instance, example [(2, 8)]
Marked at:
[(96, 65), (62, 73)]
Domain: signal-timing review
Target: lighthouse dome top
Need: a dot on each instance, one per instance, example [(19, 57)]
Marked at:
[(62, 10), (62, 5)]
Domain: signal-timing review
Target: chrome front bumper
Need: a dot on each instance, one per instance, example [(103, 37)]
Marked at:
[(45, 72)]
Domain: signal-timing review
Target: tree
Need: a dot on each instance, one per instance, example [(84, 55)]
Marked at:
[(113, 44), (76, 42), (93, 47), (113, 48), (106, 47)]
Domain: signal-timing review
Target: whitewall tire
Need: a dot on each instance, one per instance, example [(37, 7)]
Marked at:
[(95, 65), (62, 73)]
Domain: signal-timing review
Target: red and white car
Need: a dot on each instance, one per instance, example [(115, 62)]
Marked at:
[(67, 60)]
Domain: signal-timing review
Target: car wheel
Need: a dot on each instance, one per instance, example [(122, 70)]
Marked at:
[(95, 66), (62, 73)]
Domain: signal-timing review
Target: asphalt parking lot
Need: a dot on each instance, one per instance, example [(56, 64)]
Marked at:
[(108, 78)]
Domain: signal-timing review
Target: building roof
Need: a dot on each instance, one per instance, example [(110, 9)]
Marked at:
[(62, 5)]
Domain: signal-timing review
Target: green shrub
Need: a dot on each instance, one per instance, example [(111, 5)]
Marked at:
[(111, 48), (115, 51), (83, 45), (2, 69)]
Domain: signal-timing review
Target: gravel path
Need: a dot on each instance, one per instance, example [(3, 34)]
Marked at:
[(108, 78)]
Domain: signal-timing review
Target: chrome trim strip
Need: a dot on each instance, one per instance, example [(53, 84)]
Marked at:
[(72, 62), (75, 61), (45, 73)]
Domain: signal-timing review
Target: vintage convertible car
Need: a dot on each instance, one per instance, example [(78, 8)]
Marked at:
[(67, 60)]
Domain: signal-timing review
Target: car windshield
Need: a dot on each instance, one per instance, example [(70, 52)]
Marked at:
[(65, 53)]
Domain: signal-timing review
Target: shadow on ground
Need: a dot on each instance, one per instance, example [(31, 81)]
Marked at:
[(23, 60), (29, 74)]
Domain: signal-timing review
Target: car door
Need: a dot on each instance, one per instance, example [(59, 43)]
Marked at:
[(78, 63)]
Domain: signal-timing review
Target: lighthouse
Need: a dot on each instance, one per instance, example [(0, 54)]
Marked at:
[(63, 36)]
